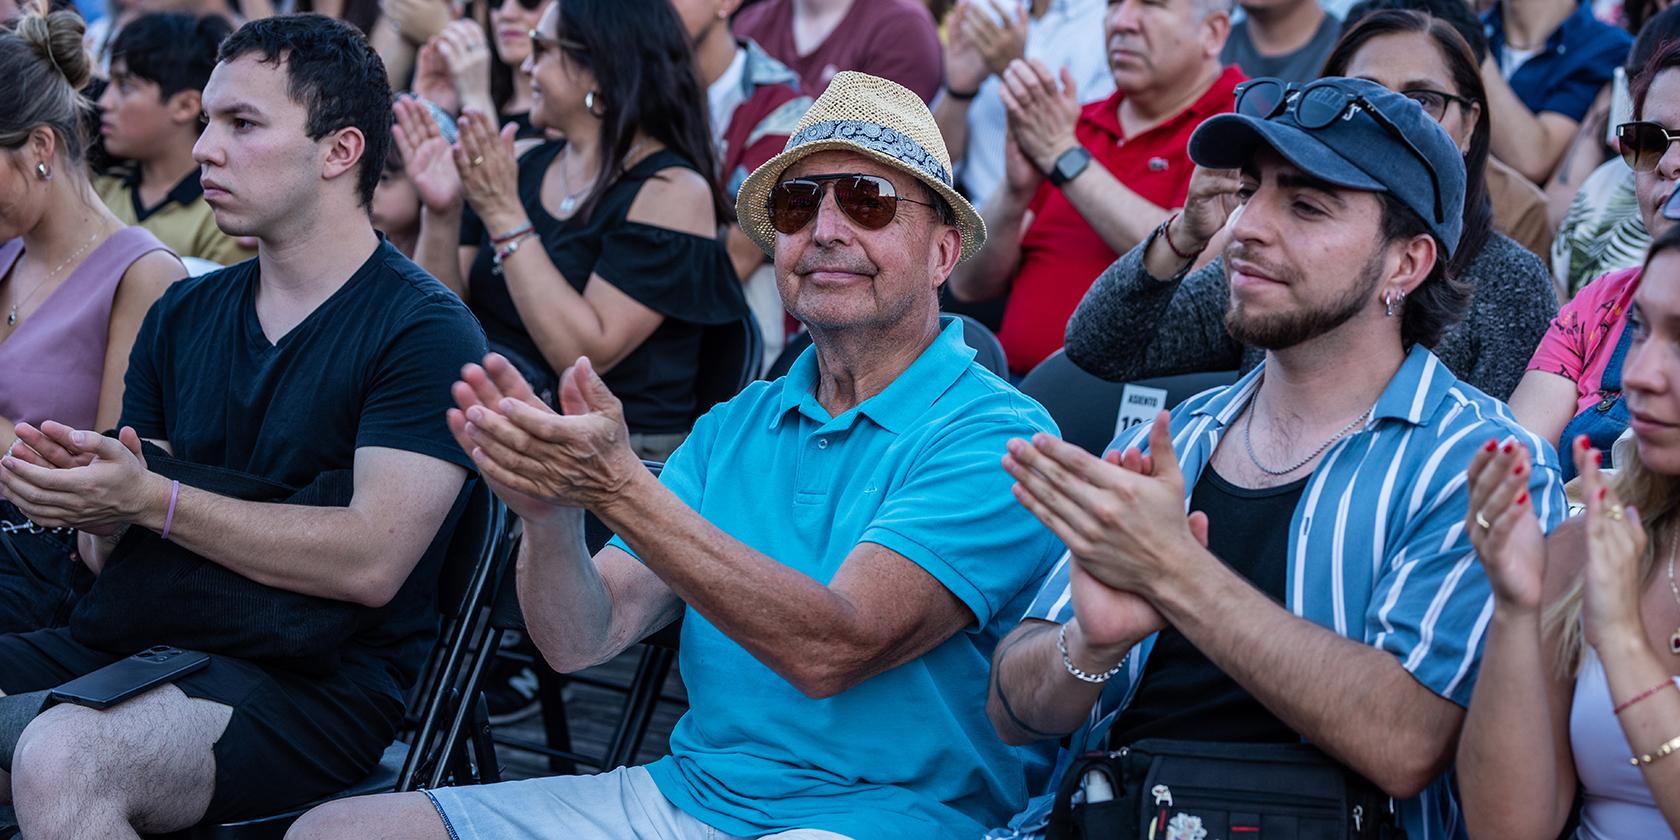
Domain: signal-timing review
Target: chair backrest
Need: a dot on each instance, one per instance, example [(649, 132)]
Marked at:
[(988, 351), (482, 527), (730, 356), (790, 352), (1086, 407)]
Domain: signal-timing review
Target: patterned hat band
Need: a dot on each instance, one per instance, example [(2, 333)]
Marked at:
[(877, 138)]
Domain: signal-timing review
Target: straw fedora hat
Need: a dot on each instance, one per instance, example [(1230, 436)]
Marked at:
[(873, 117)]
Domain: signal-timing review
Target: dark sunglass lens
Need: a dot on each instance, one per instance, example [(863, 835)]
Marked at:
[(793, 204), (1643, 145), (530, 5), (866, 202), (1261, 98), (1319, 105)]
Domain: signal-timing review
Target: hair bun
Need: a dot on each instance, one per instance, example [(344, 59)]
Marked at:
[(57, 38)]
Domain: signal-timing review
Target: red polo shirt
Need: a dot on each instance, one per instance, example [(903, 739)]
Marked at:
[(1061, 255)]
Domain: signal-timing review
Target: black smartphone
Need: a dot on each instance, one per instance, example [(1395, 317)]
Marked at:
[(129, 677)]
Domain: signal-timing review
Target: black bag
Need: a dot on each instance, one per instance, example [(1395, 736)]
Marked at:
[(1160, 789)]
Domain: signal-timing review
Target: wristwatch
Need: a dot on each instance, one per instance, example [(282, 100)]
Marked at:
[(1069, 165)]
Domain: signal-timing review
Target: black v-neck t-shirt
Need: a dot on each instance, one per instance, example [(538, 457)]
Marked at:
[(371, 366), (1182, 694)]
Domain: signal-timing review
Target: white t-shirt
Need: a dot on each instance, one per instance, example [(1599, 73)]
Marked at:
[(725, 95)]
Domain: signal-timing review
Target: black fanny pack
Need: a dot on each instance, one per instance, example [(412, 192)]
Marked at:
[(1197, 790)]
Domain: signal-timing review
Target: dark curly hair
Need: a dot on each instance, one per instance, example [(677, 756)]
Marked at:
[(334, 74)]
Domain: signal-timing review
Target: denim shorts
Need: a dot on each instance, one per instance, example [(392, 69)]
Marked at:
[(624, 803)]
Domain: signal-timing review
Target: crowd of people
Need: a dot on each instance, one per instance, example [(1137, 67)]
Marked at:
[(283, 283)]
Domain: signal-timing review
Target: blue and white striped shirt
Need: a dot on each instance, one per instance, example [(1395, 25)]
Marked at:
[(1377, 546)]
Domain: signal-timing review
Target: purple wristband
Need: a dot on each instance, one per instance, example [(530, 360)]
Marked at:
[(169, 518)]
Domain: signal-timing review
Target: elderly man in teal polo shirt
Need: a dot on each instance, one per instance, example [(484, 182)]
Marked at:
[(842, 543)]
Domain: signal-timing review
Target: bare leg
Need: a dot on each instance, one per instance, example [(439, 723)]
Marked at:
[(145, 765), (391, 816)]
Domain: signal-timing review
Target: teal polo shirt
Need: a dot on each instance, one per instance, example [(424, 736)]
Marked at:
[(916, 469)]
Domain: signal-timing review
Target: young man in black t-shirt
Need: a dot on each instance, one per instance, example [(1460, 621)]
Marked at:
[(330, 354)]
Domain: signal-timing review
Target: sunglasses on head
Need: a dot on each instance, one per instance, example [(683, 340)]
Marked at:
[(527, 5), (1644, 144), (1319, 104), (869, 200)]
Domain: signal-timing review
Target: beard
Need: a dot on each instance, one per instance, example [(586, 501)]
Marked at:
[(1283, 330)]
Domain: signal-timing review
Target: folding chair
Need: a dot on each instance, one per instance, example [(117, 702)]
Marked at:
[(477, 559), (1086, 407), (642, 695)]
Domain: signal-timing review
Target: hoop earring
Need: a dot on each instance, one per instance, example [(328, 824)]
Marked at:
[(589, 100), (1393, 300), (42, 172)]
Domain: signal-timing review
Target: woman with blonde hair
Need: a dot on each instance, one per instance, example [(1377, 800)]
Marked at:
[(1580, 678), (74, 285)]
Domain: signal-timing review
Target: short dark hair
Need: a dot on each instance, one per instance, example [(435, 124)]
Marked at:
[(173, 50), (1662, 54), (334, 74), (1442, 298)]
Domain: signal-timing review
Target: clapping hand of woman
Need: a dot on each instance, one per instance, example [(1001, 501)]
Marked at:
[(1615, 544), (1503, 527), (466, 54), (426, 157), (489, 171)]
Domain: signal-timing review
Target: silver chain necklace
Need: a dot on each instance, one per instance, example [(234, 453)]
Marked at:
[(1673, 548), (12, 316), (1248, 440)]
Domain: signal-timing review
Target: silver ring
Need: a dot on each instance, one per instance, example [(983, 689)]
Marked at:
[(477, 161), (1481, 521), (1615, 513)]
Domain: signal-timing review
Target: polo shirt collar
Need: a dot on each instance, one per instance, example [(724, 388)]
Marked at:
[(1412, 396), (762, 70), (184, 193), (1215, 100), (898, 406)]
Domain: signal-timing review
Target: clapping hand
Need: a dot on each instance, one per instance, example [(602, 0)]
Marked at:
[(86, 481), (1128, 527), (1615, 544), (489, 170), (965, 67), (1503, 527), (1042, 116), (466, 52), (417, 20), (541, 462), (999, 42), (426, 157)]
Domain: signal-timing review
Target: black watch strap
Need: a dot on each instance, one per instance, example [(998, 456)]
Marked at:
[(1069, 165)]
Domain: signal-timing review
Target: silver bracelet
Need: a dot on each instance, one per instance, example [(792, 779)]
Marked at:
[(1067, 662)]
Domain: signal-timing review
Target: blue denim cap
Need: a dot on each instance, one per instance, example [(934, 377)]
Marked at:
[(1354, 150)]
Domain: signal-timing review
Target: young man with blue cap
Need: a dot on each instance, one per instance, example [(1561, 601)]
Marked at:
[(1284, 559)]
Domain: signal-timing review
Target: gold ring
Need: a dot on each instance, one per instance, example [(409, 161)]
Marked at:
[(1616, 513), (1482, 521), (476, 161)]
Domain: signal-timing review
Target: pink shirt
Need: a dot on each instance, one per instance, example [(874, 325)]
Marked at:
[(1583, 336)]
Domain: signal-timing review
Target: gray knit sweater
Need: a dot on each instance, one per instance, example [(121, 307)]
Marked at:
[(1132, 326)]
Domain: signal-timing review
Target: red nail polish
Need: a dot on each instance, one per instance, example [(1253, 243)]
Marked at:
[(1523, 499), (1509, 445), (1518, 470), (1491, 445), (1602, 492), (1598, 458), (1581, 441)]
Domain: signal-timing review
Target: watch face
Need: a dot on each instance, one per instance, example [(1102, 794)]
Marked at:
[(1070, 164)]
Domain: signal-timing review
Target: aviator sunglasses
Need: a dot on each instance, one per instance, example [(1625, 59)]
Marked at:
[(869, 200), (1319, 104)]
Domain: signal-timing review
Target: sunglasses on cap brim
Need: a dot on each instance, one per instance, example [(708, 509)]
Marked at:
[(869, 200), (1317, 105)]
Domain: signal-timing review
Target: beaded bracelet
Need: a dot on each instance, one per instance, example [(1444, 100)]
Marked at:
[(1644, 694)]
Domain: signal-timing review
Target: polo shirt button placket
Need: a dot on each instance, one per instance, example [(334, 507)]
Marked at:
[(822, 443)]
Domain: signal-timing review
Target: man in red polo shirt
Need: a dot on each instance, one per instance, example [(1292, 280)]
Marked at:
[(1084, 185)]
